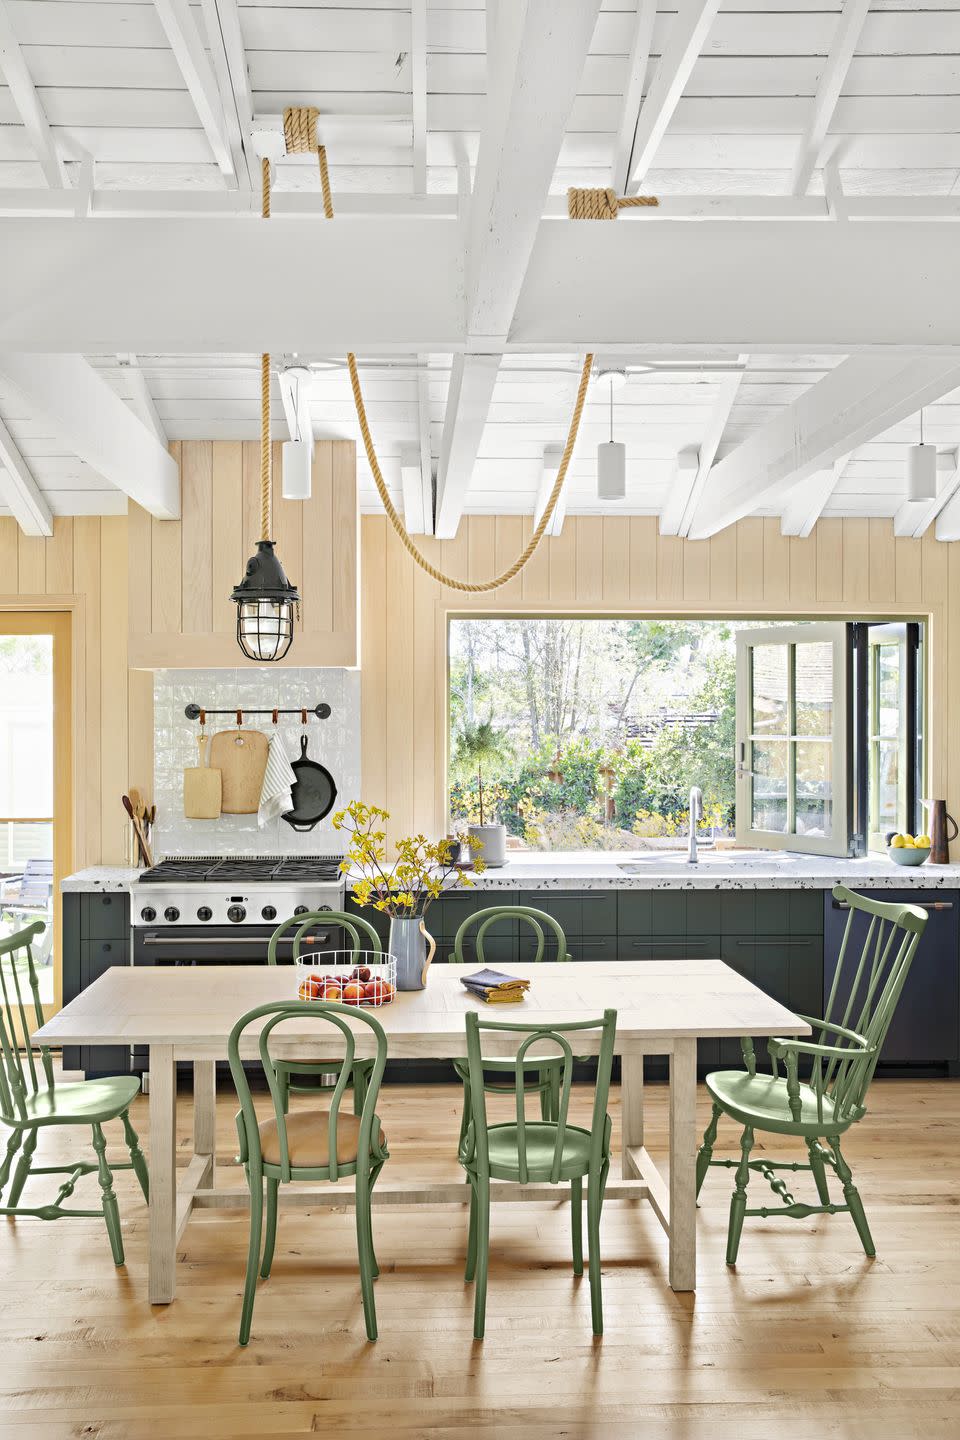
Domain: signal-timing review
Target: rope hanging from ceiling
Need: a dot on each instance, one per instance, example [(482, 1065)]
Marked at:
[(300, 137)]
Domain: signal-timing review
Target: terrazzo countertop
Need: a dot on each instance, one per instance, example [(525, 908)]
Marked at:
[(100, 877)]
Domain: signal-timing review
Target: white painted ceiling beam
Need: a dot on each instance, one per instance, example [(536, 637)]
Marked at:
[(472, 381), (828, 92), (806, 502), (916, 516), (552, 455), (27, 104), (225, 41), (948, 520), (536, 51), (857, 400), (20, 491), (633, 95), (417, 496), (181, 31), (688, 31), (680, 496), (418, 91), (141, 398), (89, 417), (685, 496), (424, 433), (81, 289)]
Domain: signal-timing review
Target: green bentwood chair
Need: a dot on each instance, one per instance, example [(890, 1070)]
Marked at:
[(29, 1101), (543, 1077), (843, 1052), (355, 926), (547, 1151), (310, 1144)]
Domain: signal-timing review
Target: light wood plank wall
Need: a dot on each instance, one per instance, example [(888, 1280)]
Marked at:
[(847, 568), (182, 571)]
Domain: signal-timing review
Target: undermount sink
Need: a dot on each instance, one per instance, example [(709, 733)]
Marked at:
[(736, 859)]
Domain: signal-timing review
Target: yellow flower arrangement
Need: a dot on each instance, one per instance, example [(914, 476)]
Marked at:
[(420, 873)]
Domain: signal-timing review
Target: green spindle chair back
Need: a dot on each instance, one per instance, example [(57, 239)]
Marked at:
[(843, 1052), (370, 1153), (20, 1002), (354, 925), (536, 920)]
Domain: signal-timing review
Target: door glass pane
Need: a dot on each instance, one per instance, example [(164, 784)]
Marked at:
[(771, 709), (888, 785), (814, 689), (888, 690), (770, 780), (814, 787), (26, 792)]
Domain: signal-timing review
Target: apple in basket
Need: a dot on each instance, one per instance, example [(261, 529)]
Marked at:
[(311, 988), (352, 992), (377, 991), (361, 972), (333, 980), (332, 992)]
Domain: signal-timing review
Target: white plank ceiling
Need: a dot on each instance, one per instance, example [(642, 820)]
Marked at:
[(112, 92)]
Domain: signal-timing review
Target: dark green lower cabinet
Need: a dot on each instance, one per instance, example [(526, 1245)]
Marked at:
[(95, 936)]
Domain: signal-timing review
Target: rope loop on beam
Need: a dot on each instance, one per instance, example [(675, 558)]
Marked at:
[(603, 204)]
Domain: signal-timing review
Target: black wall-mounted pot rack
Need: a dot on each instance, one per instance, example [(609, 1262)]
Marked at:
[(322, 711)]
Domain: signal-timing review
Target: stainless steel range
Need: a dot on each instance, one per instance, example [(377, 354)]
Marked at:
[(208, 909)]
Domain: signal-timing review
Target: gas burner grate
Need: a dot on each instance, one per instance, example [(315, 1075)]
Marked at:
[(252, 869)]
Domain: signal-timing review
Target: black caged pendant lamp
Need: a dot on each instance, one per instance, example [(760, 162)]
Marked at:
[(266, 601)]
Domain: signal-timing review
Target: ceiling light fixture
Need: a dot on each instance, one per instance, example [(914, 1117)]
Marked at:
[(922, 469), (612, 454), (266, 601)]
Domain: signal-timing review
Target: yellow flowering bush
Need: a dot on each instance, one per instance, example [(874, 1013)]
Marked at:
[(408, 886)]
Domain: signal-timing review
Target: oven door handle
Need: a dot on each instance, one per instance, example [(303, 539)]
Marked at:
[(194, 940)]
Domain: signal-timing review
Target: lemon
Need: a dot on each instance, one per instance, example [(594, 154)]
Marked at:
[(909, 841), (898, 842), (922, 842)]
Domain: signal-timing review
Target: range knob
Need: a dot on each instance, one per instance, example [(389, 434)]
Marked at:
[(236, 913), (204, 913), (148, 913), (324, 907), (171, 913), (269, 912), (301, 910)]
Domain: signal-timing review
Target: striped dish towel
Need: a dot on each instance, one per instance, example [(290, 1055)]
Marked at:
[(278, 781)]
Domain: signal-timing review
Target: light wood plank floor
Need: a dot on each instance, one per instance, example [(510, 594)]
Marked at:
[(805, 1339)]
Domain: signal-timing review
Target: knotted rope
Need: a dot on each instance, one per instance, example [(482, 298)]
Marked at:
[(603, 204), (266, 469), (300, 136)]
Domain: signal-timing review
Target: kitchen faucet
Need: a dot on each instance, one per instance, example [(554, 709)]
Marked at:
[(696, 813)]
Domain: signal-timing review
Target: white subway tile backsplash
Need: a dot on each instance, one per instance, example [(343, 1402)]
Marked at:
[(335, 742)]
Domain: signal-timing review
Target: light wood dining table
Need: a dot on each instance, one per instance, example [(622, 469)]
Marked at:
[(186, 1013)]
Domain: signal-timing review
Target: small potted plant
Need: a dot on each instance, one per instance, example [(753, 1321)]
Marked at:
[(405, 889), (488, 839)]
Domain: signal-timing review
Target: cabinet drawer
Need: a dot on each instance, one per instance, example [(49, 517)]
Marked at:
[(583, 947), (96, 956), (105, 917), (577, 912), (669, 947)]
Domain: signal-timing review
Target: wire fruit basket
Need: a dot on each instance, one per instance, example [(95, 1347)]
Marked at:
[(347, 977)]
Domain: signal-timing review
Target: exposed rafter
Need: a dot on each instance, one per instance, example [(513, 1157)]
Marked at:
[(535, 58), (689, 30), (418, 91), (27, 103), (688, 468), (916, 516), (20, 491), (141, 399), (89, 417), (806, 501), (633, 94), (678, 511), (417, 497), (828, 92), (856, 401), (225, 41), (181, 31)]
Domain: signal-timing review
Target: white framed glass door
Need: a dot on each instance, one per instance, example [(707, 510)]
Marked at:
[(792, 738)]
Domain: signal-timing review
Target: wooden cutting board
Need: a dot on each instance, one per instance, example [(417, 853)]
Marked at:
[(201, 789), (241, 758)]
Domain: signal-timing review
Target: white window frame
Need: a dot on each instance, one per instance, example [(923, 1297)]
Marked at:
[(838, 841)]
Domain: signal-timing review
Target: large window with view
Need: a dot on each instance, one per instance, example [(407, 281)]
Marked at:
[(590, 734)]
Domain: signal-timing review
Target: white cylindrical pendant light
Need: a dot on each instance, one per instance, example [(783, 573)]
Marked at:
[(611, 470), (922, 472), (297, 466)]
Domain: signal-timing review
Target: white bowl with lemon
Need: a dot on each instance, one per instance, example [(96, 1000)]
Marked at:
[(909, 850)]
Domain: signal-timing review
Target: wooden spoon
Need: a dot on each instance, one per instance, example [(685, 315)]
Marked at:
[(144, 847)]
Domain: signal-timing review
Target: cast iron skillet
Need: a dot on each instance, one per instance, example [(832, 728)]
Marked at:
[(313, 794)]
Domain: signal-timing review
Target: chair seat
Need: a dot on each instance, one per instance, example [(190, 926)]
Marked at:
[(308, 1139), (541, 1137), (761, 1102), (82, 1102)]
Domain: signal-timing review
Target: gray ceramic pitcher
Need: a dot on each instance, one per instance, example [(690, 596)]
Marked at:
[(409, 940)]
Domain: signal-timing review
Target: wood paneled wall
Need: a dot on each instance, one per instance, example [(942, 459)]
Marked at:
[(847, 568), (182, 572), (82, 568)]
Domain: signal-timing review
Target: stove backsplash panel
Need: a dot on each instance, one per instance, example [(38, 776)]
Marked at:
[(335, 742)]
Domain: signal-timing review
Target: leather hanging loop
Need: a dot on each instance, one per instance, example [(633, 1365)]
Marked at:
[(275, 715), (239, 718), (203, 718), (303, 717)]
